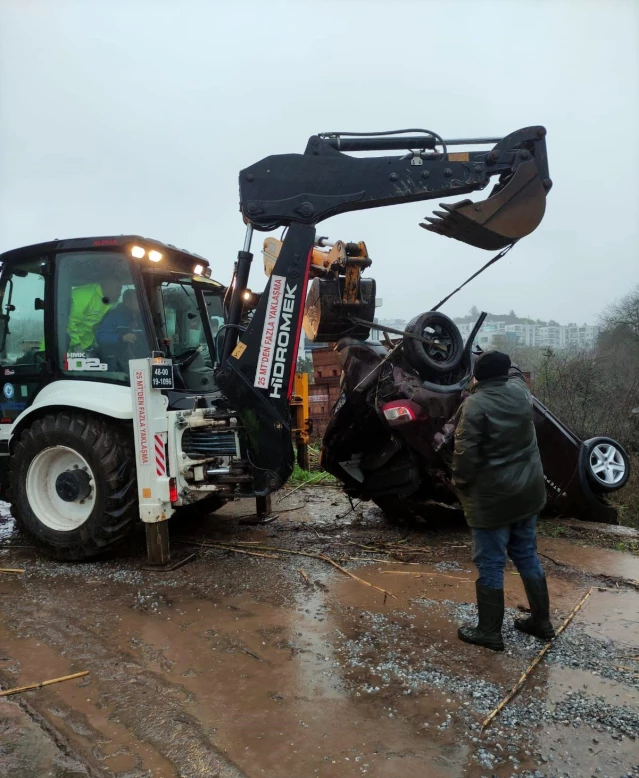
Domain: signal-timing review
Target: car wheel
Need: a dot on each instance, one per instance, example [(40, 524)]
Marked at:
[(445, 350), (607, 464), (72, 485)]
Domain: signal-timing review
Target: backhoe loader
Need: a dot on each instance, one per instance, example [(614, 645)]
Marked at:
[(133, 387)]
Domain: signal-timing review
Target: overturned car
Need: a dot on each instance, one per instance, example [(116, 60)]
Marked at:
[(390, 438)]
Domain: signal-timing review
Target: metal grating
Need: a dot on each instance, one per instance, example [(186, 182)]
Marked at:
[(207, 443)]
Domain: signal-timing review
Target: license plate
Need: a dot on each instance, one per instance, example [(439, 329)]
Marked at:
[(161, 376)]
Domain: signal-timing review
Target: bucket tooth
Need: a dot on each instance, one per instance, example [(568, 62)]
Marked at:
[(511, 213)]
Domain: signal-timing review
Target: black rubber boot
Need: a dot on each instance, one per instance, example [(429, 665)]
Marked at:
[(538, 623), (490, 609)]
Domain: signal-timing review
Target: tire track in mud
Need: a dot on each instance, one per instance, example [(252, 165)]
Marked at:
[(65, 755), (150, 709)]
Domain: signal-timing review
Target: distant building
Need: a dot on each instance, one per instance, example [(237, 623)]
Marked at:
[(396, 324), (555, 336)]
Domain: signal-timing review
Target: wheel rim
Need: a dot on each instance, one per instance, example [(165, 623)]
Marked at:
[(44, 471), (441, 347), (607, 464)]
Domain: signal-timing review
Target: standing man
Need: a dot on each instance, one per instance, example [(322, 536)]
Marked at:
[(498, 475)]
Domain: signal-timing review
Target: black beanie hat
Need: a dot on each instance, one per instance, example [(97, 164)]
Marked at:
[(491, 364)]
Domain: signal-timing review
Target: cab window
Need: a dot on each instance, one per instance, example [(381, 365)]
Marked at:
[(22, 337), (183, 321), (99, 327)]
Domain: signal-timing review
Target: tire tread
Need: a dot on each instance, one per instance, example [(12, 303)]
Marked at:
[(113, 449)]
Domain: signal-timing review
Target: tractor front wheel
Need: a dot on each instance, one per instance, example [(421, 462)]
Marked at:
[(72, 485)]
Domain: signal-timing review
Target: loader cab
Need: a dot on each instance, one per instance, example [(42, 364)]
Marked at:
[(81, 309)]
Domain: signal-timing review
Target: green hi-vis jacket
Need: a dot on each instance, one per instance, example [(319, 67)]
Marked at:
[(87, 310), (496, 464)]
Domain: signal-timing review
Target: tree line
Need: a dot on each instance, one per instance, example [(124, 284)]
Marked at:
[(596, 391)]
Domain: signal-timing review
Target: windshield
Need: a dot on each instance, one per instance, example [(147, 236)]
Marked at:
[(186, 321)]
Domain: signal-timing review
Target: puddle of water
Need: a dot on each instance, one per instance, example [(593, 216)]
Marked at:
[(79, 710), (7, 525), (26, 750), (613, 613), (257, 678), (562, 681), (589, 559), (234, 664), (313, 647), (577, 752)]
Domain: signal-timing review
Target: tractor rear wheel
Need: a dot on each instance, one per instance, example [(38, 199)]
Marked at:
[(72, 484)]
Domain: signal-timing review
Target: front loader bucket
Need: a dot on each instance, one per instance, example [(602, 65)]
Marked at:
[(506, 216)]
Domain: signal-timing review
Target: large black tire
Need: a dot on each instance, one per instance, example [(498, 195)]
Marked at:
[(436, 360), (108, 450)]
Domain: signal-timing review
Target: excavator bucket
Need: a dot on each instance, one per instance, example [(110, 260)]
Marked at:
[(513, 211)]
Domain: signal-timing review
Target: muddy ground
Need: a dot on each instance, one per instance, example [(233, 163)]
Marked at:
[(240, 665)]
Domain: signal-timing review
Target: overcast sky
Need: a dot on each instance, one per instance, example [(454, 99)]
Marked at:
[(136, 116)]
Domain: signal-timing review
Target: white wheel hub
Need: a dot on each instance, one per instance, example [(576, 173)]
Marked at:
[(58, 508), (607, 464)]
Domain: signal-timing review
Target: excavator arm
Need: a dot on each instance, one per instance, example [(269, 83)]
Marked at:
[(323, 182), (297, 191)]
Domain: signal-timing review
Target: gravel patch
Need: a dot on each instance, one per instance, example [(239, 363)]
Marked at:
[(383, 651), (450, 567), (575, 648)]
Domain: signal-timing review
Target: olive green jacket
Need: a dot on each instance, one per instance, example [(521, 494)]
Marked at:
[(496, 465)]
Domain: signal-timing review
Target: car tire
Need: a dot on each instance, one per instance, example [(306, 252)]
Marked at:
[(606, 464), (429, 361), (72, 485)]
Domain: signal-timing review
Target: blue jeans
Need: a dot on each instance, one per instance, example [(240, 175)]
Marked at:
[(519, 540)]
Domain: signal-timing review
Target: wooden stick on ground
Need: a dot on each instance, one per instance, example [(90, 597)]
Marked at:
[(537, 659), (624, 667), (382, 561), (264, 548), (11, 570), (31, 686), (242, 551), (304, 575), (355, 577), (422, 575), (322, 557)]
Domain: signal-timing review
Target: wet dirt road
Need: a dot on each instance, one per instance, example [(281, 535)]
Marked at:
[(241, 665)]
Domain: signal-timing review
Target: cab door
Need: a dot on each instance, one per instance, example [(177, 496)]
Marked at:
[(24, 368)]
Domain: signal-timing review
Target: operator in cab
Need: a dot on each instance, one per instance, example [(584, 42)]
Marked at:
[(89, 304), (119, 333), (499, 478)]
